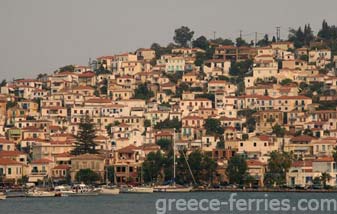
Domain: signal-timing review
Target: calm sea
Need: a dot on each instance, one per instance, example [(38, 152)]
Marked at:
[(146, 203)]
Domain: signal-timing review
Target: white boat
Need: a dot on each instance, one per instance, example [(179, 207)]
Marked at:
[(37, 193), (172, 189), (141, 190), (63, 190), (2, 196), (106, 190), (83, 190), (127, 189)]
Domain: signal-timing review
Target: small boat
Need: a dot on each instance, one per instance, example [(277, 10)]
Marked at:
[(36, 193), (2, 196), (83, 190), (63, 190), (109, 190), (172, 189)]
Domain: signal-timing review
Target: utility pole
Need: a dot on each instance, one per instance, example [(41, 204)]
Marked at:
[(240, 34), (214, 34)]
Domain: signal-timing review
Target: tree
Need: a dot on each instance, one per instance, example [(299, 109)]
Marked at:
[(165, 144), (200, 42), (213, 126), (87, 176), (221, 41), (85, 138), (147, 123), (278, 165), (3, 83), (69, 68), (236, 169), (301, 38), (169, 124), (142, 92), (286, 81), (202, 168), (110, 170), (264, 42), (325, 177), (241, 42), (200, 58), (278, 130), (182, 36), (152, 167)]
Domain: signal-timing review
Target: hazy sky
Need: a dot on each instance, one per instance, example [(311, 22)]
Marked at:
[(40, 36)]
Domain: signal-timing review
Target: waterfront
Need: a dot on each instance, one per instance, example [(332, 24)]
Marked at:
[(138, 203)]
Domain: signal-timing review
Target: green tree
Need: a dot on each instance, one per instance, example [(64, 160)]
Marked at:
[(221, 41), (147, 123), (264, 42), (165, 144), (201, 42), (325, 177), (85, 138), (110, 170), (87, 176), (278, 130), (70, 68), (236, 169), (286, 81), (169, 124), (182, 36), (152, 167), (241, 42), (301, 37), (278, 165), (213, 126), (143, 92), (3, 83)]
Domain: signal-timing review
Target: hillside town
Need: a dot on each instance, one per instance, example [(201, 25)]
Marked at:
[(238, 113)]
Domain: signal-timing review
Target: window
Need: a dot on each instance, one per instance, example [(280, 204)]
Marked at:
[(9, 171)]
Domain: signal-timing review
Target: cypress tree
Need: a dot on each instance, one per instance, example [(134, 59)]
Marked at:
[(85, 138)]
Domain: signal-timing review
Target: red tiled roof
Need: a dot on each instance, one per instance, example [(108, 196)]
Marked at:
[(62, 166), (41, 161), (11, 153), (5, 161)]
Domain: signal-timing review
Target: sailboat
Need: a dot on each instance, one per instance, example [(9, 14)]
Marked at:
[(106, 189), (173, 187)]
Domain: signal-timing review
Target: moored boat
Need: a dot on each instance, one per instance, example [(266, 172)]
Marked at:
[(107, 190), (142, 189), (172, 189), (37, 193)]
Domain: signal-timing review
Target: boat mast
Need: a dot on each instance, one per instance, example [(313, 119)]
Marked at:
[(174, 157)]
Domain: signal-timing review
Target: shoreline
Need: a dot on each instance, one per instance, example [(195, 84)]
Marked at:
[(269, 190)]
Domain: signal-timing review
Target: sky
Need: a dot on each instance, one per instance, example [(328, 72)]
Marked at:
[(39, 36)]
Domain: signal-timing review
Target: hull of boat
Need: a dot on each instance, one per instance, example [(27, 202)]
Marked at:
[(40, 194), (106, 191), (173, 189), (142, 190)]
